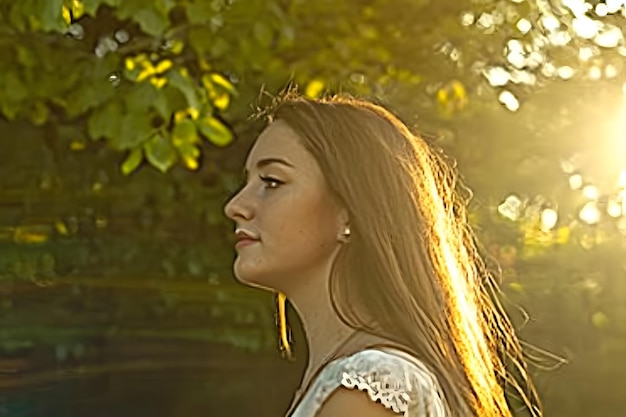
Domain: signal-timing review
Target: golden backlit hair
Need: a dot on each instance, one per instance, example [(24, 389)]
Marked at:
[(412, 272)]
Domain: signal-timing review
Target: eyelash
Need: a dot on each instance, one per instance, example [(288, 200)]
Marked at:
[(268, 180)]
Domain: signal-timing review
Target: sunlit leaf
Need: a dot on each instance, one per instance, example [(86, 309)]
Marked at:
[(184, 133), (158, 82), (177, 46), (31, 234), (78, 9), (189, 154), (145, 73), (164, 66), (66, 15), (221, 101), (215, 131), (314, 88), (223, 82), (61, 228), (132, 162)]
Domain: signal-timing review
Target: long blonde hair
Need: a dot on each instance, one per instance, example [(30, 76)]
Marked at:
[(412, 272)]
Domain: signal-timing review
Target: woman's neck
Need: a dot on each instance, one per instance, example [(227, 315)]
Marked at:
[(325, 333)]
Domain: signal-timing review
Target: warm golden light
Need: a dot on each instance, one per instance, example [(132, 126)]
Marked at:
[(550, 22), (509, 100), (591, 192), (585, 27), (590, 213), (565, 72), (614, 208), (524, 25), (585, 53), (511, 208), (576, 181), (549, 218), (622, 179)]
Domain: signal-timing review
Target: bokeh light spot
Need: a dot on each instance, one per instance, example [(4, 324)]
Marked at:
[(590, 213)]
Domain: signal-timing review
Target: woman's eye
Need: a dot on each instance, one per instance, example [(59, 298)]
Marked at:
[(271, 182)]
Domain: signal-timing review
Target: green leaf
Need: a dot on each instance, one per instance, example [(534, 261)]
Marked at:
[(164, 6), (201, 38), (132, 162), (51, 15), (141, 96), (189, 154), (200, 12), (144, 95), (288, 36), (215, 131), (160, 152), (151, 22), (263, 33), (173, 98), (127, 9), (220, 47), (93, 87), (91, 6), (184, 133), (135, 128), (161, 104), (26, 56), (87, 95), (105, 122), (186, 86), (9, 109), (223, 82), (15, 89), (17, 14)]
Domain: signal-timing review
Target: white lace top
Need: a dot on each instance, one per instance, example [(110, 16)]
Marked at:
[(390, 377)]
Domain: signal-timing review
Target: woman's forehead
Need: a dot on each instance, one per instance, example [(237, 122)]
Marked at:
[(278, 140)]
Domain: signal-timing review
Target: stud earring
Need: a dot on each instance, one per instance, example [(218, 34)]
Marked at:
[(346, 232)]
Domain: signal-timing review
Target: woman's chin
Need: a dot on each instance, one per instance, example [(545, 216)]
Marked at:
[(251, 280), (256, 285)]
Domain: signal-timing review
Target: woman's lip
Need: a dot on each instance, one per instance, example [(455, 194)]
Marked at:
[(245, 242)]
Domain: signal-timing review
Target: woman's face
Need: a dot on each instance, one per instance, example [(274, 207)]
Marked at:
[(288, 207)]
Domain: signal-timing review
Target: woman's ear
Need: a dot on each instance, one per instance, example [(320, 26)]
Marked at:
[(343, 226)]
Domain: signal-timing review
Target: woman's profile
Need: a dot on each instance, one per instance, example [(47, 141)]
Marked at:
[(360, 225)]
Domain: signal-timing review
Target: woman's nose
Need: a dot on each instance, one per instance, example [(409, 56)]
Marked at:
[(236, 207)]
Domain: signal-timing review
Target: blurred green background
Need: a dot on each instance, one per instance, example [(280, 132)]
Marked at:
[(124, 126)]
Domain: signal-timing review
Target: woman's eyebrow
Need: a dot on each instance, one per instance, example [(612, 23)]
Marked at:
[(267, 161)]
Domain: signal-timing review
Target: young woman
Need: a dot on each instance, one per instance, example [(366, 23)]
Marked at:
[(358, 223)]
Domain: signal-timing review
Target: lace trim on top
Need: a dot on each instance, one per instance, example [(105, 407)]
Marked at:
[(390, 377)]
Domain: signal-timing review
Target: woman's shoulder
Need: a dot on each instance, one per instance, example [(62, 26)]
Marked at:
[(396, 379), (389, 376)]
